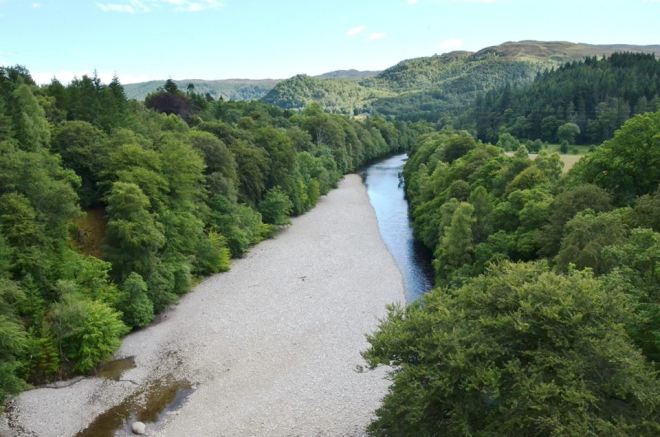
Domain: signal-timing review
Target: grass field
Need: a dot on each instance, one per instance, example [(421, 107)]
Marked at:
[(569, 160)]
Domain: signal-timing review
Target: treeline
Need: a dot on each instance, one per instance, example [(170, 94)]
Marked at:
[(546, 318), (592, 98), (109, 210)]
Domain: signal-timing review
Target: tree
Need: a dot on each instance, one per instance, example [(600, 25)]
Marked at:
[(83, 150), (628, 165), (30, 124), (636, 272), (585, 237), (457, 246), (88, 331), (133, 236), (520, 351), (568, 132), (137, 309), (13, 339), (275, 207)]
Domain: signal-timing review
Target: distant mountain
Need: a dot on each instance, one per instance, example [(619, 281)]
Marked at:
[(347, 74), (234, 89), (432, 87)]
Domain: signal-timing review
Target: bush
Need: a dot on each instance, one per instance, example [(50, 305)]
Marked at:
[(276, 207), (88, 332)]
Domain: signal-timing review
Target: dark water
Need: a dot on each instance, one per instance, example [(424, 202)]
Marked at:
[(386, 194)]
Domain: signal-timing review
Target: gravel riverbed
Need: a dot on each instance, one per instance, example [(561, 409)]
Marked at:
[(271, 348)]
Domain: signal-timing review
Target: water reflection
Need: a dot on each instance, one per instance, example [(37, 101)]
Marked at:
[(387, 197)]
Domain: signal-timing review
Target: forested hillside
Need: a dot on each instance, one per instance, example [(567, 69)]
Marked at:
[(233, 89), (580, 102), (432, 88), (110, 209), (339, 96), (546, 316), (229, 89)]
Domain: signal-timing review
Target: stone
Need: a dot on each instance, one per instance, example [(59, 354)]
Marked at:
[(139, 428)]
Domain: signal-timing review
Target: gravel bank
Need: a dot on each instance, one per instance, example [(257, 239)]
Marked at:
[(271, 346)]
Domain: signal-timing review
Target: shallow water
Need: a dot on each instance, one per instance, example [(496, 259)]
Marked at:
[(386, 194), (149, 406)]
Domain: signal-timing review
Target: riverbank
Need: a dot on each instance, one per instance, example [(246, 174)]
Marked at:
[(269, 348)]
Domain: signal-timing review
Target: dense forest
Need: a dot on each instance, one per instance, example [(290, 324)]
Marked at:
[(228, 89), (581, 102), (110, 208), (546, 316), (438, 88)]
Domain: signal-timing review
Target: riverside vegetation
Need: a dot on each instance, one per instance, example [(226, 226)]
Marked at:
[(110, 208), (546, 316)]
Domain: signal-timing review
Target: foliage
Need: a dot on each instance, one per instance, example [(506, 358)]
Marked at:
[(88, 332), (584, 101), (176, 191), (629, 164), (275, 207), (519, 351)]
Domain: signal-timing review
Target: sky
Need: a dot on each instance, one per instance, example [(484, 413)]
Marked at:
[(141, 40)]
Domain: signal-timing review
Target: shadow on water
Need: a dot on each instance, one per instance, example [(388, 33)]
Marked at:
[(114, 369), (386, 194), (149, 406)]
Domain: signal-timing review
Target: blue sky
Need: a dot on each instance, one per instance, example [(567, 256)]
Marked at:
[(219, 39)]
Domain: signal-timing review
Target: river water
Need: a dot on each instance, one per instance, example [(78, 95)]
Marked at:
[(385, 189)]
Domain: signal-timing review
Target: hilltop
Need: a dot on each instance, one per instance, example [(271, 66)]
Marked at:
[(430, 87)]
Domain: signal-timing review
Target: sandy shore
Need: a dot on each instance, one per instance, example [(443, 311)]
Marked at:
[(270, 347)]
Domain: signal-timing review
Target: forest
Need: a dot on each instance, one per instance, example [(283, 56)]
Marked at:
[(545, 319), (110, 209), (582, 102)]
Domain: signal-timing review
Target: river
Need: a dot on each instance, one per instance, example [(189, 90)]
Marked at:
[(386, 194)]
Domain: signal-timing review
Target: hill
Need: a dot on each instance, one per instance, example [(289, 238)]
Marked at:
[(347, 74), (234, 89), (432, 87), (229, 89)]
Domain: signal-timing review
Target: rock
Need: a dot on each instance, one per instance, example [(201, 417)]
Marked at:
[(139, 428)]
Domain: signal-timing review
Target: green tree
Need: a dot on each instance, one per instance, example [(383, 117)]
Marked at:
[(636, 271), (568, 132), (585, 237), (628, 165), (133, 236), (276, 207), (134, 303), (88, 332), (520, 351), (30, 125), (457, 247)]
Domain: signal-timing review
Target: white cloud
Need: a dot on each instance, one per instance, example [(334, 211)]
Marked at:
[(132, 6), (650, 1), (106, 76), (354, 31), (413, 1), (105, 7), (376, 35), (451, 44), (36, 5)]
